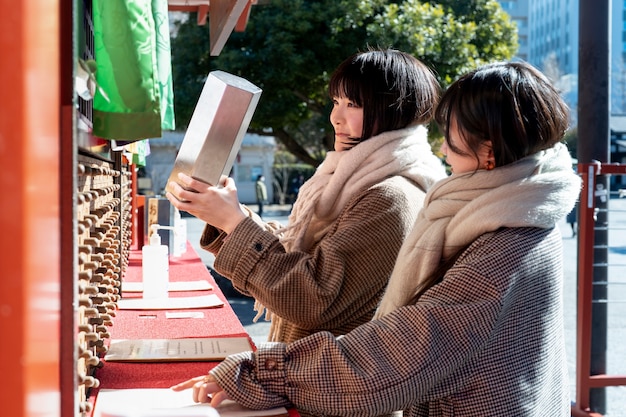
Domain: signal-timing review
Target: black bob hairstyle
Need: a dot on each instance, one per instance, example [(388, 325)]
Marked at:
[(394, 89), (511, 104)]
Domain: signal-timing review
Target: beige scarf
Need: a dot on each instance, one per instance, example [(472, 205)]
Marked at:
[(535, 191), (405, 152)]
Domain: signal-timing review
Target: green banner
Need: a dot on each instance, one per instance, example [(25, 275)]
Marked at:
[(132, 53)]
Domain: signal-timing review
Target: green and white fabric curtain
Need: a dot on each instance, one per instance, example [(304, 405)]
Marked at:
[(134, 69)]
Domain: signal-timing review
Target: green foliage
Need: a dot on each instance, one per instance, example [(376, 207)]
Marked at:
[(290, 48), (452, 37), (190, 49)]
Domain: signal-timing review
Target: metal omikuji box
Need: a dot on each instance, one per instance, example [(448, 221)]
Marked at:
[(217, 127)]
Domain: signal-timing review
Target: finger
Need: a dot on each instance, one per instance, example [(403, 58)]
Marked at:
[(200, 392), (203, 390), (175, 189), (174, 200), (206, 392), (187, 384), (223, 180), (181, 194), (229, 183), (179, 202), (184, 178), (195, 393), (218, 398), (191, 183)]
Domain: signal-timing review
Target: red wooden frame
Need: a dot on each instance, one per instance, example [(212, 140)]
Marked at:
[(584, 381)]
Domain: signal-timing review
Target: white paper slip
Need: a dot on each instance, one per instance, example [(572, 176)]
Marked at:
[(175, 350), (184, 315), (171, 303), (200, 285), (163, 402)]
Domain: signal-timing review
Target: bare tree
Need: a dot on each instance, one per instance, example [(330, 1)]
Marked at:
[(281, 174), (551, 67)]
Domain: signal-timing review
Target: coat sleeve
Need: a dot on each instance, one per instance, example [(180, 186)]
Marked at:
[(342, 276), (212, 238), (412, 355)]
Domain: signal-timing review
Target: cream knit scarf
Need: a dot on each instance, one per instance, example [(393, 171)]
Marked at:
[(535, 191), (405, 152)]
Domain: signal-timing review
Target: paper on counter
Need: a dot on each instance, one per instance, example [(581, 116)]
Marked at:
[(200, 285), (184, 315), (175, 350), (171, 303), (153, 402)]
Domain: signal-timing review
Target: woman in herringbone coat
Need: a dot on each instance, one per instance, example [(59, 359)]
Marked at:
[(328, 268), (471, 323)]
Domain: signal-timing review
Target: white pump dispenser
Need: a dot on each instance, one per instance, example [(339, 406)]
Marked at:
[(155, 266)]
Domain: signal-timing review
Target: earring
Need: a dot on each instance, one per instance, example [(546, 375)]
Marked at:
[(489, 165)]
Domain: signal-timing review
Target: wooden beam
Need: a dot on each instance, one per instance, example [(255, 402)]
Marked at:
[(203, 12), (245, 15), (225, 16), (222, 20)]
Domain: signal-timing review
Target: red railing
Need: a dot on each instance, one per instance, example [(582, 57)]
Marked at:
[(586, 235)]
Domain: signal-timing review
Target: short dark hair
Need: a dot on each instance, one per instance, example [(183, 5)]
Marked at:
[(394, 89), (511, 104)]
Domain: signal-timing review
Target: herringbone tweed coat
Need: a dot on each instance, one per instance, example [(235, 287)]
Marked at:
[(486, 341)]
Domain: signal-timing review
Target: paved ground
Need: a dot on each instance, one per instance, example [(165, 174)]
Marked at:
[(616, 322)]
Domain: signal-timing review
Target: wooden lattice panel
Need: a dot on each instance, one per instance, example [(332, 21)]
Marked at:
[(103, 211)]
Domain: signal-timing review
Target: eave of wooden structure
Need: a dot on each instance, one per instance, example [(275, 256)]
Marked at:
[(224, 16)]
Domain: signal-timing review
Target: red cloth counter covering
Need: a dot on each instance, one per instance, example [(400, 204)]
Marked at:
[(219, 321), (152, 324)]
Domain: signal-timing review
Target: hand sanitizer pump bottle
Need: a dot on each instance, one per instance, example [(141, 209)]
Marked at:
[(155, 266)]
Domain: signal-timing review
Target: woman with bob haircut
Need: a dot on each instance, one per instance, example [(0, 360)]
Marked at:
[(327, 269)]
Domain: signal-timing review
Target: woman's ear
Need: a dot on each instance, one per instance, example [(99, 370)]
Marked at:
[(486, 157)]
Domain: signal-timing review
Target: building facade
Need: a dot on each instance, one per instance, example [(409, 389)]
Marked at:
[(548, 37), (618, 57), (518, 10)]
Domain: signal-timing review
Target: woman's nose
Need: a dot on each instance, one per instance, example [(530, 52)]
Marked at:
[(335, 116)]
